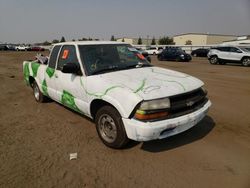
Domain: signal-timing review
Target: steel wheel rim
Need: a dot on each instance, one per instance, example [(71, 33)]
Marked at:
[(36, 92), (107, 128)]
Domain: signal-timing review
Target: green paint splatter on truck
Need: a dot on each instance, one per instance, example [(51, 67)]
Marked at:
[(26, 73), (69, 100), (45, 88), (140, 88), (99, 94), (50, 71), (34, 67)]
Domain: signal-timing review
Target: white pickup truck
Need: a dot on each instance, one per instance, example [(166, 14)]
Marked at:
[(115, 85)]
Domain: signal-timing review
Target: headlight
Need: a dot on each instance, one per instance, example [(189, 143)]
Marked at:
[(204, 90), (182, 55), (153, 109), (155, 104)]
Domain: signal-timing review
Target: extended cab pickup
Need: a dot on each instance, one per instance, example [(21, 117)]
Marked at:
[(115, 85)]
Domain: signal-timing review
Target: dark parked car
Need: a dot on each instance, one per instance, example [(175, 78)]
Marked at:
[(36, 48), (175, 54), (200, 52), (3, 48), (11, 48)]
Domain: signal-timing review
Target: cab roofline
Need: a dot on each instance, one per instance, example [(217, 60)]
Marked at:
[(88, 43)]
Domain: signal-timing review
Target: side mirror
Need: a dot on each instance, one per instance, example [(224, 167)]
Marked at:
[(71, 68), (145, 54), (238, 51)]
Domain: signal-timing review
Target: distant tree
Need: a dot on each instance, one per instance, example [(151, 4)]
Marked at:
[(153, 41), (188, 42), (166, 41), (46, 43), (83, 39), (139, 41), (55, 41), (62, 39), (112, 38), (73, 40), (123, 40), (97, 39), (90, 39)]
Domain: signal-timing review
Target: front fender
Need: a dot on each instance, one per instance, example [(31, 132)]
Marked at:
[(122, 99)]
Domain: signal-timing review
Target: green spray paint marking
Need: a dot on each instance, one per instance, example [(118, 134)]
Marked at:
[(69, 100), (50, 71), (45, 88), (26, 73), (101, 94), (34, 67), (141, 86)]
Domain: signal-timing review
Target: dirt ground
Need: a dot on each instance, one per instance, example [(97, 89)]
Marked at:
[(36, 139)]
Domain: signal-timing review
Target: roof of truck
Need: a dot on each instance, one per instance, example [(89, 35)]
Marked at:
[(89, 43)]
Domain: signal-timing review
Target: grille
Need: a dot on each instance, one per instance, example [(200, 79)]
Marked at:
[(187, 103)]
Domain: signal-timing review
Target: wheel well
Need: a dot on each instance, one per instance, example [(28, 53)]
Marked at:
[(244, 57), (31, 80), (214, 56), (96, 105)]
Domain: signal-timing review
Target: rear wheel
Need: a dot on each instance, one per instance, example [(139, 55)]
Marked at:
[(110, 127), (37, 93), (214, 60), (246, 61)]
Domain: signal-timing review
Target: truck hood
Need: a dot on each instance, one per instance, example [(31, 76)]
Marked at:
[(150, 82)]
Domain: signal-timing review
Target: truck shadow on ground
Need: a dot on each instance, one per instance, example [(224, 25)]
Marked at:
[(196, 133)]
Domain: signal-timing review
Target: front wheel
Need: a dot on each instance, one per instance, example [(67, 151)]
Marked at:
[(110, 127), (37, 93), (214, 60), (246, 61)]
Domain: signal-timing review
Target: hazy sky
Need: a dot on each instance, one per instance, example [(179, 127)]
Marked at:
[(36, 21)]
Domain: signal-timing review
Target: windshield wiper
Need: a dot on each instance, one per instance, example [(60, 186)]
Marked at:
[(105, 69)]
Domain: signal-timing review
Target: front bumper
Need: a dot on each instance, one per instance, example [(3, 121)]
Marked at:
[(141, 131)]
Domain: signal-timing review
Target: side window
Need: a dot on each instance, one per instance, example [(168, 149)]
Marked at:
[(67, 55), (224, 49), (235, 50), (53, 57)]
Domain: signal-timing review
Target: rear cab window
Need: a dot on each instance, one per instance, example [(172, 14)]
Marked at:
[(53, 57)]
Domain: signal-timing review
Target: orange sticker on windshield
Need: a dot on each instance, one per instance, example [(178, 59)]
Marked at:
[(140, 56), (65, 54)]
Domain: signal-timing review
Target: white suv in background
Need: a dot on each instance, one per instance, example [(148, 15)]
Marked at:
[(229, 54), (154, 50)]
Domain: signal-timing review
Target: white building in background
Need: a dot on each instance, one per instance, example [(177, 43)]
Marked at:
[(243, 40), (201, 39)]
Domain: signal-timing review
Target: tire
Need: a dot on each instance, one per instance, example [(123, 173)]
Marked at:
[(159, 58), (39, 97), (110, 128), (214, 60), (246, 61)]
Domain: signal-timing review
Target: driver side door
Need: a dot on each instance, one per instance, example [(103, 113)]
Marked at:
[(70, 87)]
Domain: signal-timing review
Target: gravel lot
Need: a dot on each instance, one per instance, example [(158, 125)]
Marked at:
[(36, 139)]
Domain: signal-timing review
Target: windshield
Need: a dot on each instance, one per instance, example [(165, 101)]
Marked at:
[(110, 57), (245, 49)]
